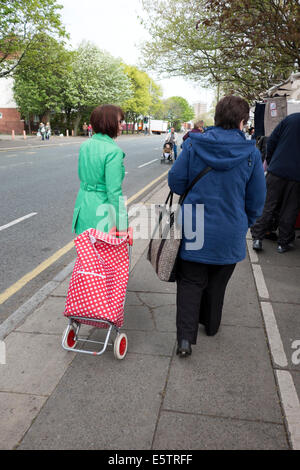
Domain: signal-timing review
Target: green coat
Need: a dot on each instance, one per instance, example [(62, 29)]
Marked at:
[(101, 172)]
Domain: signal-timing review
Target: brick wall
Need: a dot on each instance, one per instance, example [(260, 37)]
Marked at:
[(11, 120)]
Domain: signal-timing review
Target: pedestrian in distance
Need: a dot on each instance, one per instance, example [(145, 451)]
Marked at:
[(198, 128), (99, 203), (283, 185), (47, 131), (250, 134), (172, 139), (85, 128), (42, 130), (231, 195), (90, 130)]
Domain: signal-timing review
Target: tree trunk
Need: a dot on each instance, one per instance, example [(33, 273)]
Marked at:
[(76, 123)]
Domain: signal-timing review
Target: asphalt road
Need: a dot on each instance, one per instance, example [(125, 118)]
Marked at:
[(42, 183)]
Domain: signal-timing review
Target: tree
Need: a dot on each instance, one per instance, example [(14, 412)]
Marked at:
[(39, 82), (177, 110), (139, 103), (21, 23), (95, 78), (243, 46)]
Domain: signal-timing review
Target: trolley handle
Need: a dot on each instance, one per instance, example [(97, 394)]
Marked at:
[(115, 233)]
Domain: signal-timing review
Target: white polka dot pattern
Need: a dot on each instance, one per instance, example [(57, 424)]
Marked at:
[(99, 280)]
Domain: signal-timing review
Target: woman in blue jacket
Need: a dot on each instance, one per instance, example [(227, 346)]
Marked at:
[(232, 194)]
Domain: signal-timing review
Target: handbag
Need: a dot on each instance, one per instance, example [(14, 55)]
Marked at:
[(165, 241)]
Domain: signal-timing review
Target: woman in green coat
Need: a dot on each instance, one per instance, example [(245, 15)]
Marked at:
[(100, 203)]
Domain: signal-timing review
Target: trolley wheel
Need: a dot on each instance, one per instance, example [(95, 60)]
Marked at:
[(120, 346), (70, 340)]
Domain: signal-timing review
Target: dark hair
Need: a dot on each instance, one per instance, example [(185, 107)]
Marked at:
[(105, 119), (230, 111)]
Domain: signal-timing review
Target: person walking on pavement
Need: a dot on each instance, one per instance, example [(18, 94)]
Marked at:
[(90, 130), (283, 184), (232, 194), (99, 203), (42, 130), (48, 131), (172, 139), (85, 128)]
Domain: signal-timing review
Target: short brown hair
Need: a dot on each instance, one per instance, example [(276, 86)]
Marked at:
[(230, 111), (105, 119)]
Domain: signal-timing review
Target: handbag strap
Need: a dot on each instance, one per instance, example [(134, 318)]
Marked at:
[(183, 196), (195, 180)]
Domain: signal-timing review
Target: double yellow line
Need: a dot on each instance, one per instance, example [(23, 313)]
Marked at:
[(5, 295)]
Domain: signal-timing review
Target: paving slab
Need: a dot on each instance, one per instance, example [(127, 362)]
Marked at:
[(144, 279), (228, 375), (34, 363), (62, 289), (282, 283), (241, 305), (132, 299), (16, 414), (102, 403), (165, 317), (154, 300), (179, 431), (138, 317)]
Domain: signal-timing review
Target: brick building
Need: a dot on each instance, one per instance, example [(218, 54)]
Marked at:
[(10, 118)]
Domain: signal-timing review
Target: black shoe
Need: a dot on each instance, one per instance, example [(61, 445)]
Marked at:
[(184, 348), (284, 248), (271, 236), (257, 245)]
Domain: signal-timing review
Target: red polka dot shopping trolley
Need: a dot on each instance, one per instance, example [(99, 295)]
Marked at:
[(97, 289)]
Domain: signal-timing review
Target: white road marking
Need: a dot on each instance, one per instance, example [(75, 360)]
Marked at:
[(16, 164), (14, 222), (13, 155), (274, 337), (291, 405), (252, 254), (148, 163), (260, 281)]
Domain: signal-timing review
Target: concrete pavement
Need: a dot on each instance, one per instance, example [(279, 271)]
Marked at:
[(238, 390)]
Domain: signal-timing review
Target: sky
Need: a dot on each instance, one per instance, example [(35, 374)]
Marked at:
[(114, 26)]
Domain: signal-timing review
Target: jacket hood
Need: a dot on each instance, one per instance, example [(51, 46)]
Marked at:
[(220, 148)]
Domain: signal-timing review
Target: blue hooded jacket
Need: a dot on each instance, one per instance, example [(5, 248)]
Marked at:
[(233, 194)]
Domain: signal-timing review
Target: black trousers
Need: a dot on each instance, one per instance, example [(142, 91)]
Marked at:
[(200, 296), (282, 199)]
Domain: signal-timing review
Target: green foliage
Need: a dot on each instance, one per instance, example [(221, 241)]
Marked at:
[(244, 46), (21, 24), (40, 80), (140, 100), (95, 78), (177, 110)]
